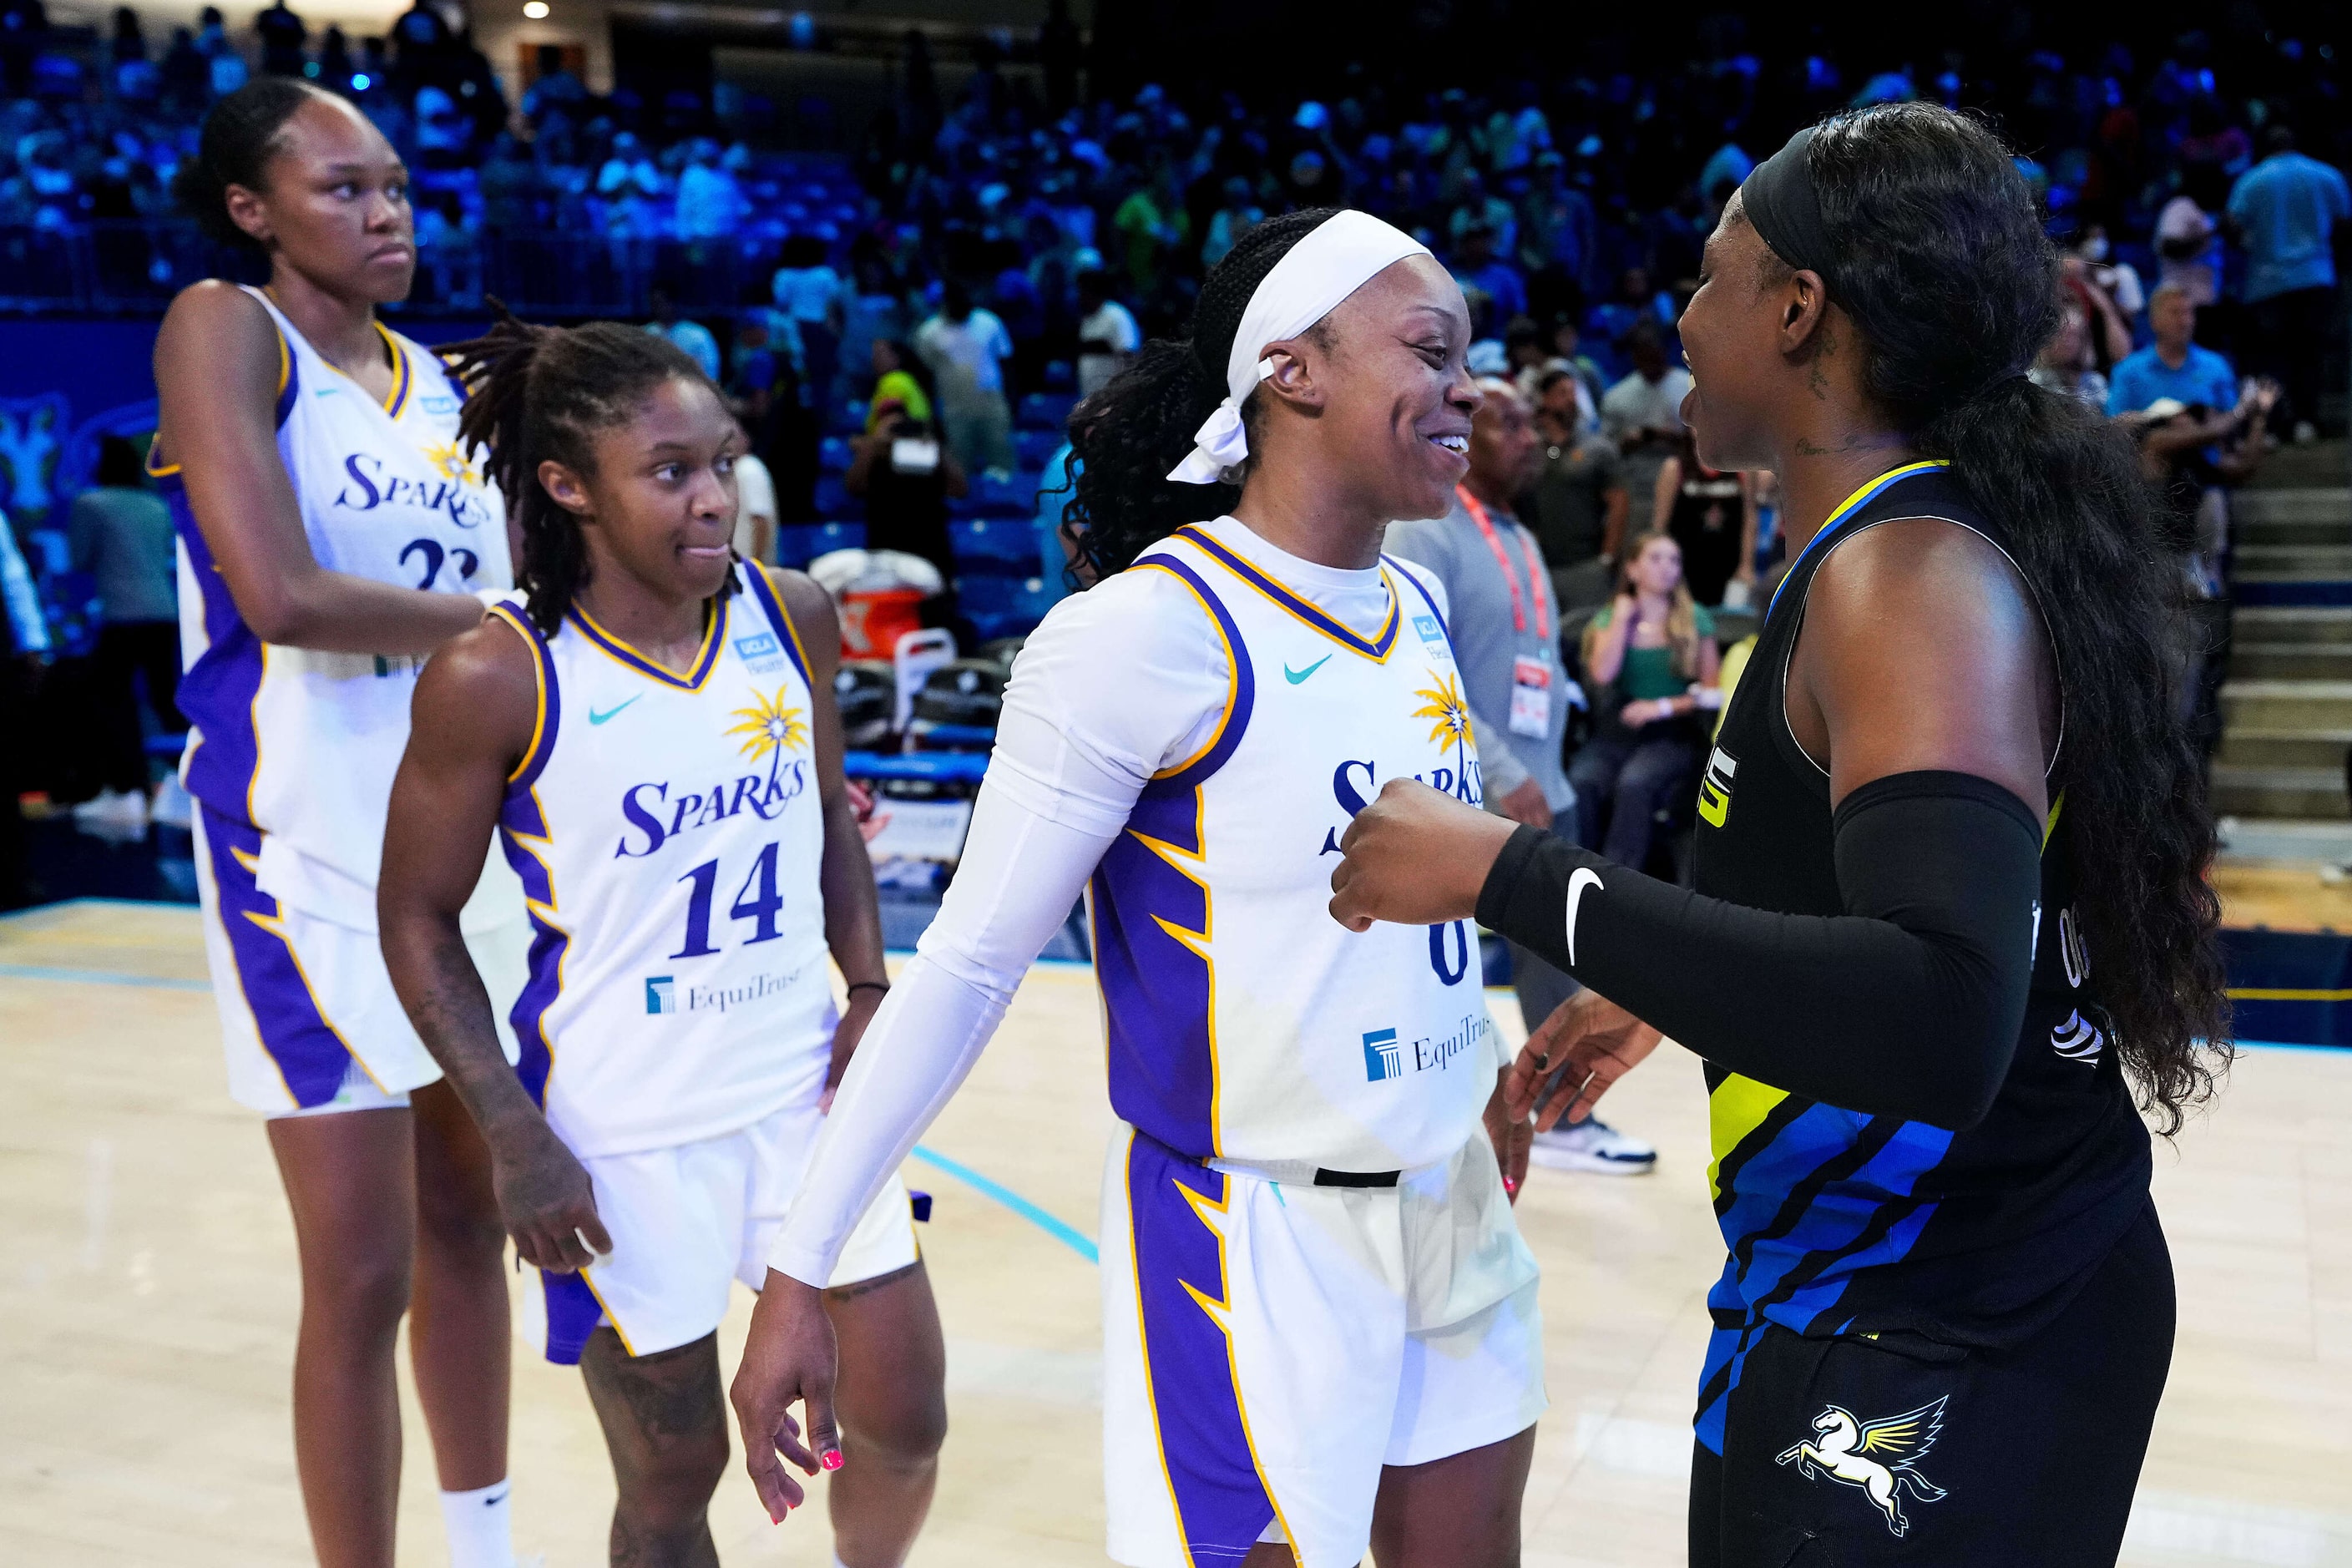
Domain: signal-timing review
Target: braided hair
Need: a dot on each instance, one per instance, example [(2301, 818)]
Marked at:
[(1128, 435), (542, 393)]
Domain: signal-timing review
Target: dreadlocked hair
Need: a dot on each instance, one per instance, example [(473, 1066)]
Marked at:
[(541, 393), (1128, 436), (1953, 288)]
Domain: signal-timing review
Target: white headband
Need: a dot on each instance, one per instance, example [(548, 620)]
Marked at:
[(1338, 256)]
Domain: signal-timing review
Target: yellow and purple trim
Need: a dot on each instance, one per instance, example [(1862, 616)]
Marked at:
[(706, 658), (763, 589), (1182, 1296), (1377, 648)]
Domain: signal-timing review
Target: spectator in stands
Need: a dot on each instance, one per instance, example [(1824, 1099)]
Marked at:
[(966, 348), (695, 338), (1649, 661), (1108, 334), (710, 203), (1580, 501), (901, 377), (2119, 280), (1152, 227), (755, 505), (120, 533), (223, 66), (1232, 219), (1491, 286), (2064, 363), (555, 89), (24, 657), (2189, 241), (807, 289), (905, 473), (2287, 209), (1643, 413), (1712, 515), (2175, 366), (282, 37)]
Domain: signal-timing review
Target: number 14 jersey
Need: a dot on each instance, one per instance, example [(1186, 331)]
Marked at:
[(667, 831)]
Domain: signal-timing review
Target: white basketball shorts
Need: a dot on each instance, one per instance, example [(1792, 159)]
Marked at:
[(688, 1222), (310, 1022), (1268, 1346)]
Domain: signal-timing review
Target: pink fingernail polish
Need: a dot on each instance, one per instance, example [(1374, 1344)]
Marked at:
[(832, 1460)]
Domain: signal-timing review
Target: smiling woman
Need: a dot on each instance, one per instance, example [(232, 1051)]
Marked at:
[(1320, 1332)]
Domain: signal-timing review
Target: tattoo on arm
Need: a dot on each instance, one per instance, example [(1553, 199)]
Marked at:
[(453, 1015)]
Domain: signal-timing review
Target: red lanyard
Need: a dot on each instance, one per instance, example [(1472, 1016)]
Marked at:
[(1510, 575)]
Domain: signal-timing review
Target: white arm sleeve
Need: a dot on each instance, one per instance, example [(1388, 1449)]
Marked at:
[(1117, 682)]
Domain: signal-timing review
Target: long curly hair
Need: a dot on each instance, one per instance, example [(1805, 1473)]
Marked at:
[(541, 392), (1128, 435), (1954, 289)]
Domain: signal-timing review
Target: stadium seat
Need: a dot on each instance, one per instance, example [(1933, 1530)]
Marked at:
[(1004, 495), (992, 543), (832, 455), (799, 544), (833, 498), (1047, 410), (847, 418), (1002, 606), (1034, 447)]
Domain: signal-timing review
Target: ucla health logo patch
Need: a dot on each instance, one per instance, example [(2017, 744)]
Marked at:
[(1431, 632), (761, 652)]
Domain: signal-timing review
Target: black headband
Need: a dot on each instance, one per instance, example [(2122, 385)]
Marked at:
[(1781, 203)]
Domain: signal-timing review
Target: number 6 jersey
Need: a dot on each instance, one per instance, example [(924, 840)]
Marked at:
[(668, 830)]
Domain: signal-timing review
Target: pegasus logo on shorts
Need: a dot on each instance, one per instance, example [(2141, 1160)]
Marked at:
[(1876, 1456), (1714, 789)]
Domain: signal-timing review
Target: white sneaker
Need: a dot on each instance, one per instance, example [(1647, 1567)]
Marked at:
[(1593, 1146), (113, 813), (172, 805)]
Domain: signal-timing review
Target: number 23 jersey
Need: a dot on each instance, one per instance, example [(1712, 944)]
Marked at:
[(300, 742), (669, 832)]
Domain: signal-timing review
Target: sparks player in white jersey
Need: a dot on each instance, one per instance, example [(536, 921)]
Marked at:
[(330, 537), (1319, 1319), (649, 728)]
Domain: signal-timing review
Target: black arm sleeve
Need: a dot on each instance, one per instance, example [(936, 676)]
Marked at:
[(1908, 1005)]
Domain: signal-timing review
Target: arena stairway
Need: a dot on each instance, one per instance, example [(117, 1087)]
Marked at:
[(2286, 704)]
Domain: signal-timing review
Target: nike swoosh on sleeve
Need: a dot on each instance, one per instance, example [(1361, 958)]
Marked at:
[(1585, 876)]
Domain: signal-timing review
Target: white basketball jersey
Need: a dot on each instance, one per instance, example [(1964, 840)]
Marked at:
[(299, 744), (668, 833), (1245, 1023)]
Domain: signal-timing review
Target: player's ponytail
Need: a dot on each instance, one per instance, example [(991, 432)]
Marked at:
[(541, 393), (1128, 436), (234, 148), (1953, 287)]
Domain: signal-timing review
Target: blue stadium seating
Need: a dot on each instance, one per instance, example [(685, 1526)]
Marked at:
[(1047, 410), (799, 544), (832, 455), (991, 544), (833, 501), (1034, 447), (1002, 606), (847, 418)]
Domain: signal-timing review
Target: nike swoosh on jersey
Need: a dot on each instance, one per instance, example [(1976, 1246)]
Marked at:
[(1585, 876), (596, 718), (1296, 675)]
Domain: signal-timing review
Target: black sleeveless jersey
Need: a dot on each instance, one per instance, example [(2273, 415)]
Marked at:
[(1840, 1222)]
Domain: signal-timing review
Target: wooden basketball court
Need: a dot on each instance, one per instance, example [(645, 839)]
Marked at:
[(147, 1280)]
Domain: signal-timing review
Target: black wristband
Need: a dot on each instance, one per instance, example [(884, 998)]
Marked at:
[(881, 985)]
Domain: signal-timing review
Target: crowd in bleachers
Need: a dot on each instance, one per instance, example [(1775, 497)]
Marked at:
[(906, 329)]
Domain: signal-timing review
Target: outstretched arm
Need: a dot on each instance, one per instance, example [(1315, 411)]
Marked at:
[(1907, 1005), (471, 720)]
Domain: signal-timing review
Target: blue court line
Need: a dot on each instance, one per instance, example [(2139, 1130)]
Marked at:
[(1060, 1232), (98, 977)]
